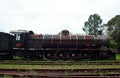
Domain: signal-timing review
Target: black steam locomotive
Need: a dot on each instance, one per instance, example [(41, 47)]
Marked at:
[(28, 45)]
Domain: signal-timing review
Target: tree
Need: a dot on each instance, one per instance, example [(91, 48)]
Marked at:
[(114, 30), (93, 25)]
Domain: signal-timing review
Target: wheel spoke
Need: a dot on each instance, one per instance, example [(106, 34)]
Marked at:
[(62, 55), (50, 55)]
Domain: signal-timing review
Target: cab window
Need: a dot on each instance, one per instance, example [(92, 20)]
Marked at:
[(17, 37)]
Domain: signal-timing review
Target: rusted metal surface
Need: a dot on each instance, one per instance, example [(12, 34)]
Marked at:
[(66, 41), (85, 46), (67, 37)]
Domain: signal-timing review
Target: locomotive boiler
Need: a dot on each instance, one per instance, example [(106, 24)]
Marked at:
[(61, 46)]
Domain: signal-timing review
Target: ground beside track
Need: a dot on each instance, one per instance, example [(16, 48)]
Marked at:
[(98, 65), (57, 66)]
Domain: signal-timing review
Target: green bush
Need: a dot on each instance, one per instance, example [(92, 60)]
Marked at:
[(118, 56), (113, 45)]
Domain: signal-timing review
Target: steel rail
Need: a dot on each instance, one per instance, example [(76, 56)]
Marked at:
[(16, 62)]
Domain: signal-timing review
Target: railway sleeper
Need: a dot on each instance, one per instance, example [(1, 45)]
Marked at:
[(21, 75)]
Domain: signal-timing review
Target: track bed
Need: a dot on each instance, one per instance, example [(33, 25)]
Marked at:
[(78, 73)]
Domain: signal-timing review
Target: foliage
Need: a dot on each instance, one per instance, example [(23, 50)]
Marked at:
[(118, 57), (114, 30), (114, 21), (10, 66), (93, 25), (113, 44)]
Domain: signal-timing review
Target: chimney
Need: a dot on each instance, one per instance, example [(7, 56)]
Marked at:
[(65, 32)]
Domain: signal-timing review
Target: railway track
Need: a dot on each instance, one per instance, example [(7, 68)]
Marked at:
[(19, 62), (86, 72), (62, 73)]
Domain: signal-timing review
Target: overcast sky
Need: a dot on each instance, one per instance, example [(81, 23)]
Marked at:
[(52, 16)]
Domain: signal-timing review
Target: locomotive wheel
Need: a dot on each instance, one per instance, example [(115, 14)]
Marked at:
[(26, 57), (32, 57), (74, 56), (50, 55), (6, 57), (110, 57), (2, 57), (62, 55), (9, 57)]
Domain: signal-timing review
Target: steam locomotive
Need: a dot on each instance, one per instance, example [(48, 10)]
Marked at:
[(64, 45)]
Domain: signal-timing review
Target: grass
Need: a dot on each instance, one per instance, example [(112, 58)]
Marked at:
[(57, 66), (7, 76), (118, 57), (62, 66)]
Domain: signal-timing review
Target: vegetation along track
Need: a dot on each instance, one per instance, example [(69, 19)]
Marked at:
[(59, 69), (21, 62), (76, 73)]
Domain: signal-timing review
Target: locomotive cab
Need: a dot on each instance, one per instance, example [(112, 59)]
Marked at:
[(19, 38)]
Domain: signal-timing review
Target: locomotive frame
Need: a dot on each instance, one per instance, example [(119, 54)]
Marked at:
[(28, 45)]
